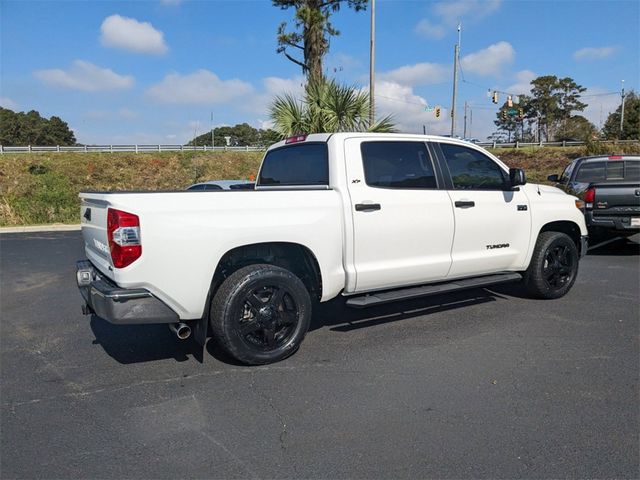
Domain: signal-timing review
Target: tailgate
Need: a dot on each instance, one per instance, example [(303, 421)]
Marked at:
[(93, 218), (616, 199)]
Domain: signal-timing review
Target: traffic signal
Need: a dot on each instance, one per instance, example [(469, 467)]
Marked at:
[(494, 97), (437, 112), (504, 114), (521, 112)]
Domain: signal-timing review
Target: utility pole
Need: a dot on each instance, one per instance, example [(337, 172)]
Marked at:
[(622, 111), (456, 53), (464, 135), (372, 66), (212, 139)]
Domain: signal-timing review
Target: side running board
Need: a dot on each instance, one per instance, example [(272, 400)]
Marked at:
[(379, 298)]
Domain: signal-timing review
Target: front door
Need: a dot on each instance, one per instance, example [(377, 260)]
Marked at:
[(402, 221), (493, 222)]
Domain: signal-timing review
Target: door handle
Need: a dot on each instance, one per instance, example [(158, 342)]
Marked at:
[(367, 207), (465, 204)]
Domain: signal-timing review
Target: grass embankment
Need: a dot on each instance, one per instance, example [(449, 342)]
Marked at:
[(43, 188)]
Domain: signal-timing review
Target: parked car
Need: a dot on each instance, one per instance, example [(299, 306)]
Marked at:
[(223, 185), (609, 187), (375, 218)]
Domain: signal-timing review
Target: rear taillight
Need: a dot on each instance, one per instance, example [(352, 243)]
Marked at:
[(123, 231), (589, 195)]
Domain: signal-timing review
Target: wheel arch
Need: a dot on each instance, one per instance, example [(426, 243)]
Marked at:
[(296, 258), (567, 227)]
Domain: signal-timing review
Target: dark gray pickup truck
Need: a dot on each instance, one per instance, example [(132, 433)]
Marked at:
[(609, 187)]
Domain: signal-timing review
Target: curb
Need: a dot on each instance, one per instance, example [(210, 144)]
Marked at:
[(56, 227)]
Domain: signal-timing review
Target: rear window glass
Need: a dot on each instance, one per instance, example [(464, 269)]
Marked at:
[(591, 172), (632, 171), (304, 164), (397, 165), (615, 170)]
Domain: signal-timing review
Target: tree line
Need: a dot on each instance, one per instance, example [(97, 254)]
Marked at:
[(551, 113), (240, 135), (19, 128)]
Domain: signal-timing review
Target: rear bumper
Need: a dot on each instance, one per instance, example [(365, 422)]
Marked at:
[(619, 223), (117, 305)]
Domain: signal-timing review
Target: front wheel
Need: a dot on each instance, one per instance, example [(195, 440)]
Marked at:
[(554, 266), (260, 314)]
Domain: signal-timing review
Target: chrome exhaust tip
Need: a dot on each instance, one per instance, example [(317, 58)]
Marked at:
[(182, 330)]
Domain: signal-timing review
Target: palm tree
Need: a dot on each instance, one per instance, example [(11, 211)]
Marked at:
[(326, 107)]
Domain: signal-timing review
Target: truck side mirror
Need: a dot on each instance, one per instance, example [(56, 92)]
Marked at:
[(553, 178), (517, 177)]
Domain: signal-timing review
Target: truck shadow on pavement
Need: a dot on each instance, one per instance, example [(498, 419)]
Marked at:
[(141, 343), (344, 319), (616, 247)]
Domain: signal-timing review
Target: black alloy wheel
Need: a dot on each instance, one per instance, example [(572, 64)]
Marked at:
[(260, 314), (268, 318), (554, 266), (558, 267)]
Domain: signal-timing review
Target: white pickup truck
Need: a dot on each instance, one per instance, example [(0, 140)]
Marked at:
[(373, 217)]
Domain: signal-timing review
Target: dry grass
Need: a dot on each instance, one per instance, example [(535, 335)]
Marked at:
[(43, 188)]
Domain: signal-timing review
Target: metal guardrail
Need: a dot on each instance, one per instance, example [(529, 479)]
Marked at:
[(205, 148), (125, 148), (551, 144)]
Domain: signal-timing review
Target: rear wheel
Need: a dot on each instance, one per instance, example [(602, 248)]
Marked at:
[(554, 266), (260, 314)]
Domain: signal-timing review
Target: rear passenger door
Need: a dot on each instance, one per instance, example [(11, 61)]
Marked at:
[(402, 221), (493, 222)]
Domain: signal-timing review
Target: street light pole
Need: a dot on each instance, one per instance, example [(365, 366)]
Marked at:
[(372, 66), (456, 53), (622, 111)]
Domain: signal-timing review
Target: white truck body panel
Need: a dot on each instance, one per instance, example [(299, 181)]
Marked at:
[(418, 236)]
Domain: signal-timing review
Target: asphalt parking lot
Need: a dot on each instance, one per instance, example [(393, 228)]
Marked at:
[(479, 384)]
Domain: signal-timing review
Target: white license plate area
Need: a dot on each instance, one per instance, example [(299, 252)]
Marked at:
[(635, 222)]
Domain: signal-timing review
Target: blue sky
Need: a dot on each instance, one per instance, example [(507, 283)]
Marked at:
[(153, 71)]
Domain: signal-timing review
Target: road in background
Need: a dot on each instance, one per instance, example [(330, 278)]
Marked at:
[(483, 383)]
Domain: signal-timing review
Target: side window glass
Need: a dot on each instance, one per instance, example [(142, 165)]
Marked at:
[(404, 165), (591, 172), (472, 170), (566, 175)]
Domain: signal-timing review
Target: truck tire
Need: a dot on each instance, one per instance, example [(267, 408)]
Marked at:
[(554, 266), (260, 314)]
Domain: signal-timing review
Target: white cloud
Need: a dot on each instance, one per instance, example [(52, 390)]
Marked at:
[(132, 35), (453, 12), (85, 76), (408, 109), (450, 13), (490, 60), (418, 74), (429, 30), (279, 86), (594, 53), (6, 102), (200, 87), (523, 82)]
